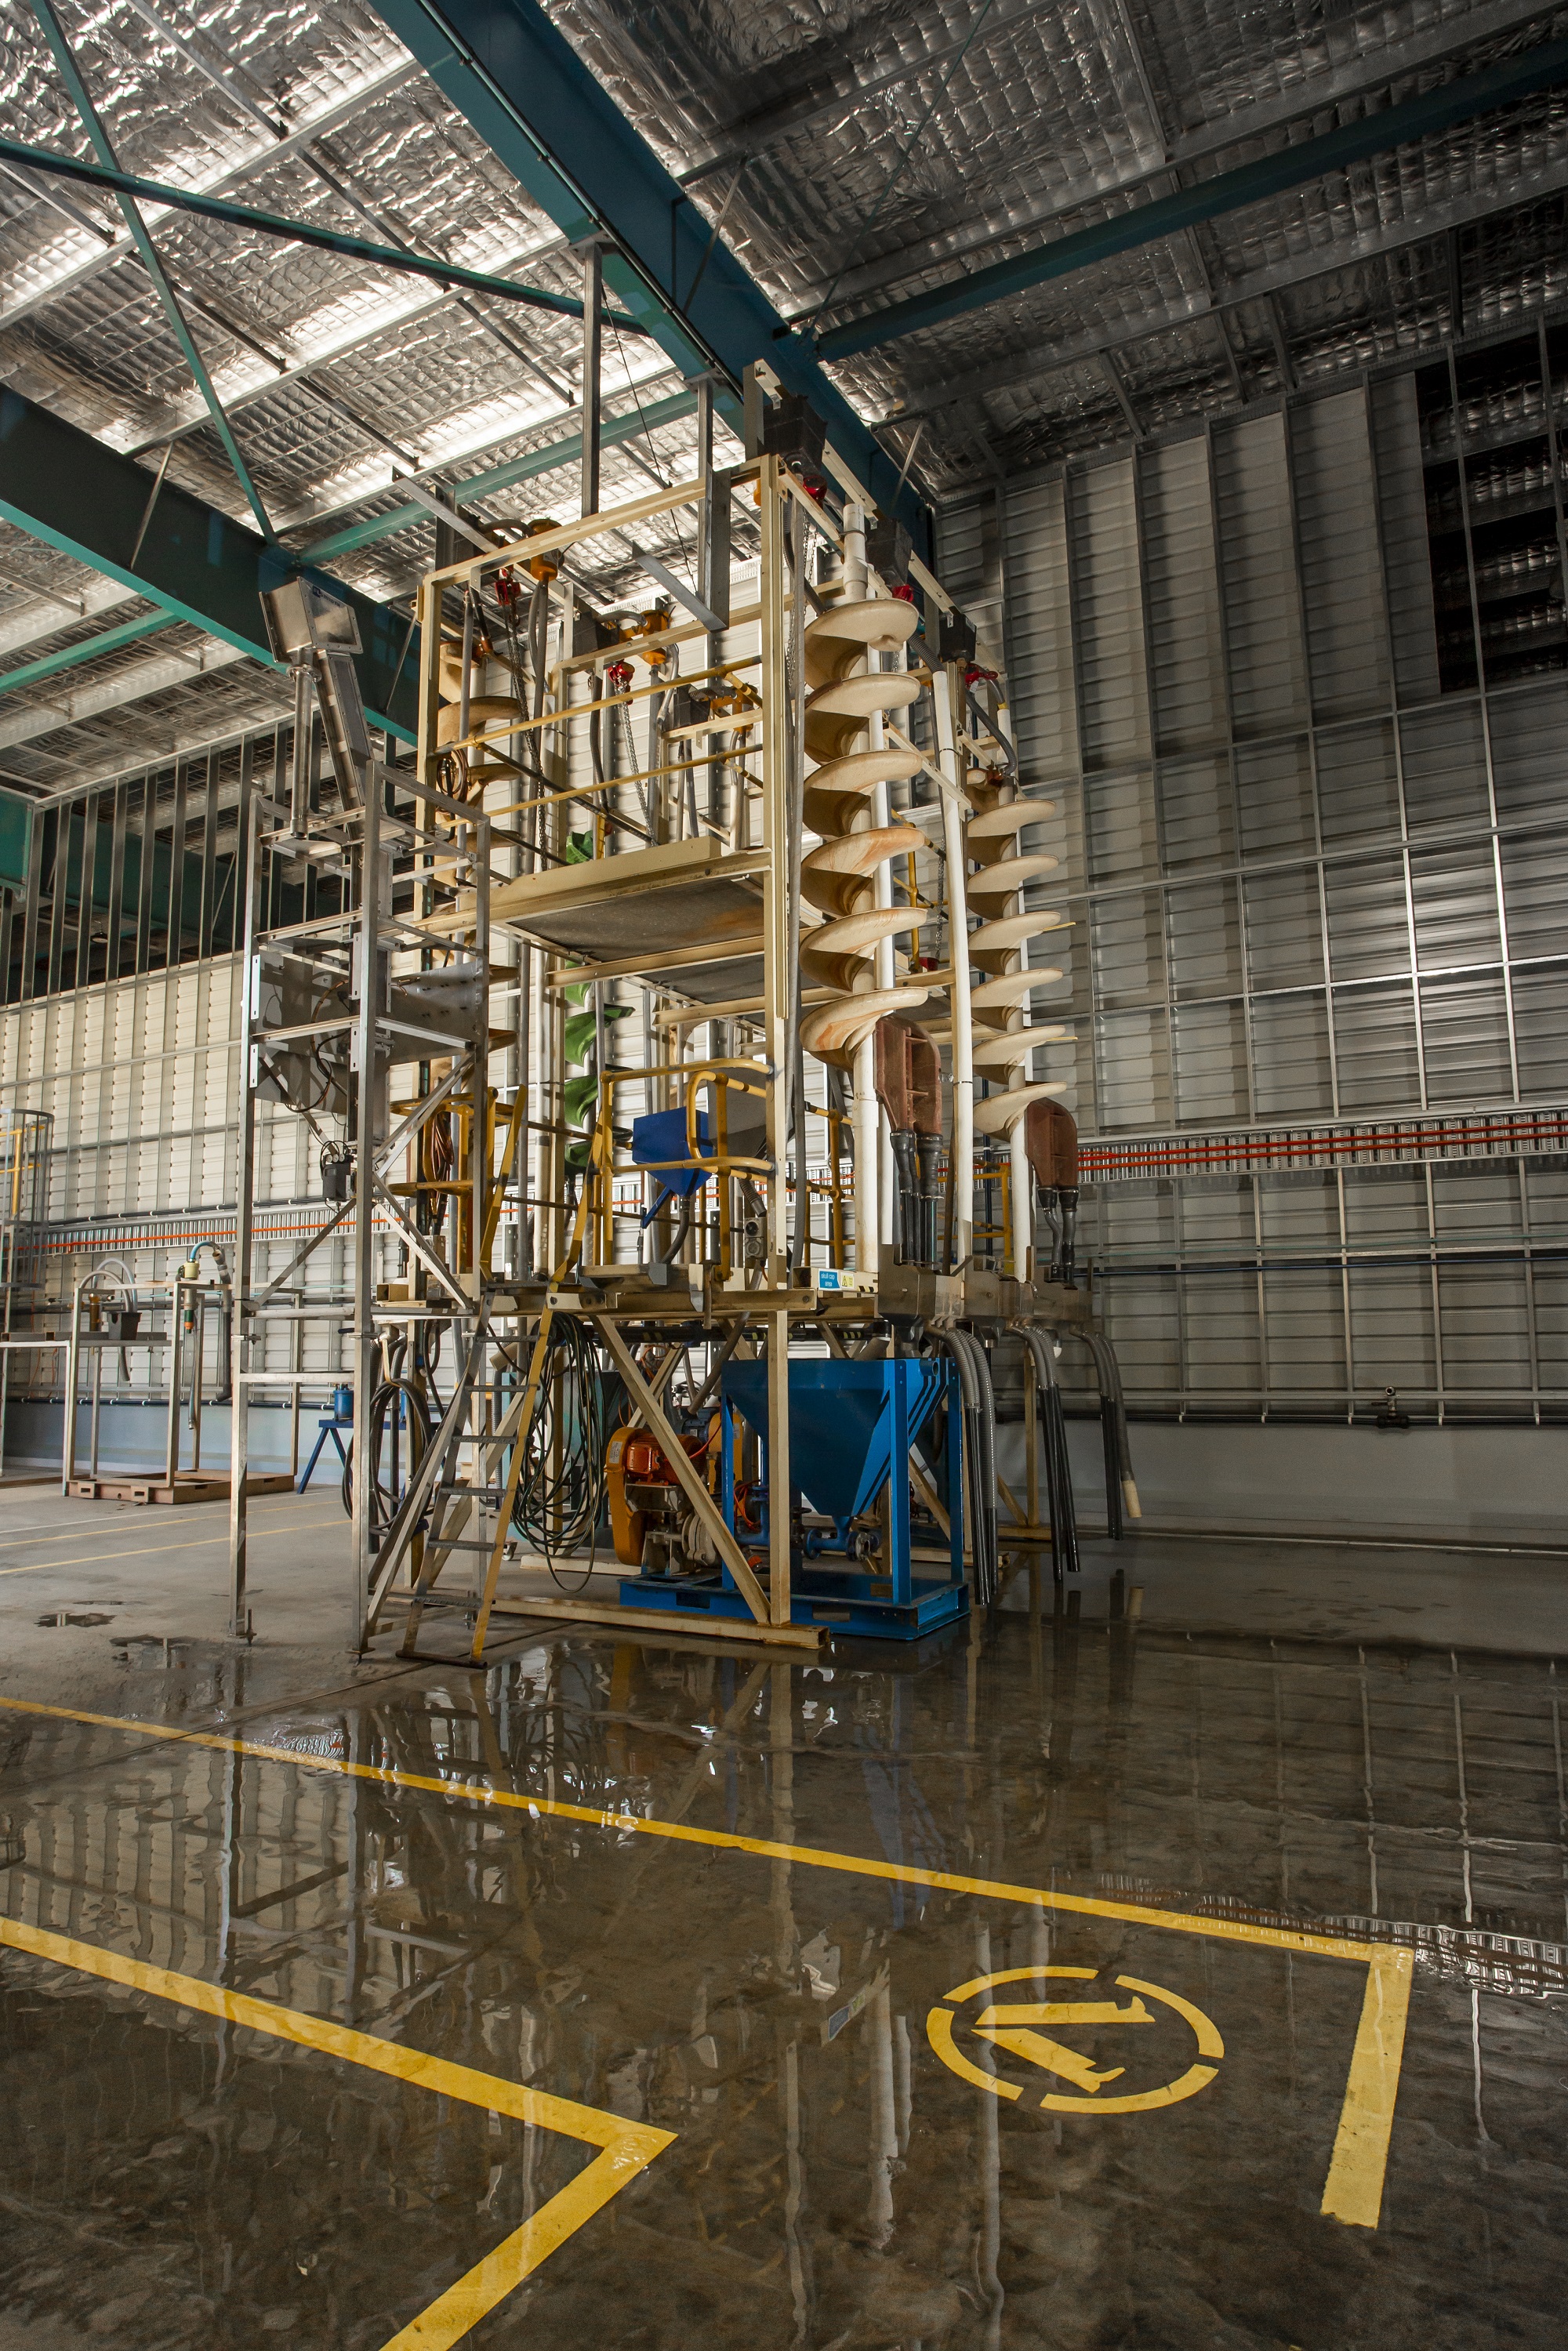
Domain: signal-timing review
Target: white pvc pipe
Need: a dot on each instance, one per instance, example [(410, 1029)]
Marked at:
[(881, 816), (867, 1120), (1018, 1170), (871, 1218), (953, 807)]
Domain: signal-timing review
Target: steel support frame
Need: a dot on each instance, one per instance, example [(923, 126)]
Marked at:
[(957, 237), (357, 944), (1291, 166), (768, 1309)]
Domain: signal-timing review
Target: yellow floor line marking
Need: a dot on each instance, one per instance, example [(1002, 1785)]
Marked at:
[(625, 2147), (1355, 2189), (1366, 2116), (203, 1542)]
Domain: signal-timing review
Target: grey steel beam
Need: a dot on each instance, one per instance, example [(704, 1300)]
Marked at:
[(555, 457), (87, 775), (31, 623), (96, 698), (33, 296), (85, 649), (132, 189), (70, 73), (752, 135), (60, 485), (1360, 75), (1040, 359), (1291, 166), (174, 422)]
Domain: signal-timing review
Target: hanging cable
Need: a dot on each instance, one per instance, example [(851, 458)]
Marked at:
[(561, 1490), (409, 1413)]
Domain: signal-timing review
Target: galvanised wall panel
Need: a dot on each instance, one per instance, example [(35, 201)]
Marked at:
[(1307, 885)]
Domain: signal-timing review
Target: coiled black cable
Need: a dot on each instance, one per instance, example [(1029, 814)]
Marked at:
[(561, 1487), (387, 1489)]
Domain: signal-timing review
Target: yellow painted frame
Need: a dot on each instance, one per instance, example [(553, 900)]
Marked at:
[(625, 2148), (1354, 2190)]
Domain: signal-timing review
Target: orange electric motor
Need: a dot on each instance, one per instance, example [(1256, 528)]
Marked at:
[(642, 1484), (634, 1462)]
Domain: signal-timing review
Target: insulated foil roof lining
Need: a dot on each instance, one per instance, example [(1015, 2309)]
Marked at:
[(884, 156), (886, 150), (886, 147)]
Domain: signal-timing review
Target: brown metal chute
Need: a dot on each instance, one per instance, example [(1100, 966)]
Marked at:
[(1050, 1142), (909, 1075)]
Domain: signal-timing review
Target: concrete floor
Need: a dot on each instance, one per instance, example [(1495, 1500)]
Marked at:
[(1292, 1750)]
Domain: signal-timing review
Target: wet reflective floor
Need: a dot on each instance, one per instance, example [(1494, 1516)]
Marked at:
[(1017, 1995)]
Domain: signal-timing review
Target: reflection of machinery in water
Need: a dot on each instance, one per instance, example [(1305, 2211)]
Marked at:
[(732, 1119)]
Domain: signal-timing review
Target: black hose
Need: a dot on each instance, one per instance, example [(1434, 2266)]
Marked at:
[(1064, 1560), (1113, 1417), (680, 1230), (1114, 1526), (1110, 1435), (986, 1417), (979, 1452)]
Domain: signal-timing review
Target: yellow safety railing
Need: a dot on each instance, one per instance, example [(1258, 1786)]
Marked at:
[(723, 1075)]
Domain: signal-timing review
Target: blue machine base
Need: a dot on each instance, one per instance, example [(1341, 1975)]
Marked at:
[(876, 1620)]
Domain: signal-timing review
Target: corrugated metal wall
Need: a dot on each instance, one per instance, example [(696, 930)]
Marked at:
[(141, 1078), (1305, 887)]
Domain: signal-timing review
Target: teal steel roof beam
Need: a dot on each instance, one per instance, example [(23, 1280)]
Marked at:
[(70, 73), (107, 641), (552, 459), (330, 240), (530, 96), (1267, 175), (63, 488)]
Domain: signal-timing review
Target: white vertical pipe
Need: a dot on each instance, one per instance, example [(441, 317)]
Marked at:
[(857, 584), (876, 736), (953, 805), (871, 1219), (868, 1223), (1017, 1159)]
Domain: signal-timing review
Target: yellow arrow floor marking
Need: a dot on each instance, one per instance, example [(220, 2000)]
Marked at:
[(1052, 2056)]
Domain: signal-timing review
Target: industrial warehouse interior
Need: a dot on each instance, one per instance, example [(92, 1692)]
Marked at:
[(783, 1175)]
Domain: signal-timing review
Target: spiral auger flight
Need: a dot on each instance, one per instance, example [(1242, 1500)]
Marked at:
[(1003, 978), (482, 762), (846, 697)]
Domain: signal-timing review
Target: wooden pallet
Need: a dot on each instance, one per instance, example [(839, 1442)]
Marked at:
[(188, 1486)]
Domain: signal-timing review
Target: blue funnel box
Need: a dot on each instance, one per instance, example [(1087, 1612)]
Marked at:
[(842, 1418), (851, 1428), (660, 1134)]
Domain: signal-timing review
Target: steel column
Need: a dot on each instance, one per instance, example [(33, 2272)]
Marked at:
[(245, 1204), (590, 395)]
